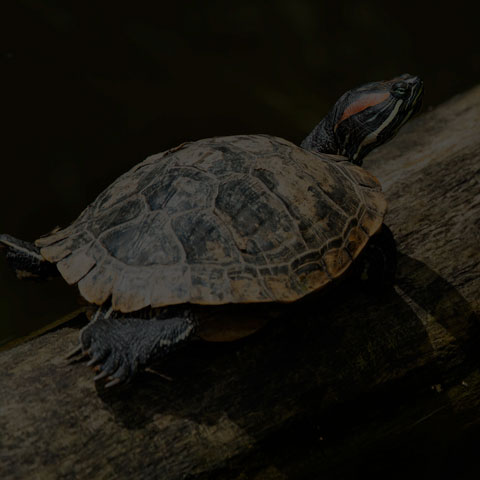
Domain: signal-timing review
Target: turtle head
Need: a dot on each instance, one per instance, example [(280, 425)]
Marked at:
[(366, 117)]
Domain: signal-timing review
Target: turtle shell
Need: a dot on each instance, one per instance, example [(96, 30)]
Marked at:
[(240, 219)]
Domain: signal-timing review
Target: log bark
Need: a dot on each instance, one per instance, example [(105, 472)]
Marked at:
[(352, 381)]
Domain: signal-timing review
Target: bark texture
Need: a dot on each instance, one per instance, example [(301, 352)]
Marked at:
[(339, 384)]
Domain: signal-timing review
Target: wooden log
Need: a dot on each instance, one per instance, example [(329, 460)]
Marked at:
[(340, 384)]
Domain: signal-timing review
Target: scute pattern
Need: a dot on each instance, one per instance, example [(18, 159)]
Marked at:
[(258, 220), (249, 218)]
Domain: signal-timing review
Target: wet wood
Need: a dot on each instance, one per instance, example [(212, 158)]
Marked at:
[(339, 384)]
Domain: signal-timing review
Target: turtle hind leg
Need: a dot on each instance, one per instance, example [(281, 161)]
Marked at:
[(119, 344), (375, 267), (26, 260)]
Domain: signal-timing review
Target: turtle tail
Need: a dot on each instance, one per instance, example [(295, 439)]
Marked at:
[(26, 260)]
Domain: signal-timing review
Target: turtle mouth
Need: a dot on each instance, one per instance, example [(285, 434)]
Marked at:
[(415, 98), (417, 93), (411, 90), (412, 101)]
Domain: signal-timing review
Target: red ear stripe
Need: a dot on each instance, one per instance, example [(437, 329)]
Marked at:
[(362, 103)]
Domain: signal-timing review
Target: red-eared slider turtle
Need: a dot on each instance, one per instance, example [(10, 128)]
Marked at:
[(250, 219)]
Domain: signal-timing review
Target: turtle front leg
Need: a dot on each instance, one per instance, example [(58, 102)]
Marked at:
[(119, 344), (376, 265)]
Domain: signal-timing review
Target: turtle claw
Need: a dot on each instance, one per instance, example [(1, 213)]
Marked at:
[(113, 382), (94, 360), (102, 374), (76, 351), (120, 375)]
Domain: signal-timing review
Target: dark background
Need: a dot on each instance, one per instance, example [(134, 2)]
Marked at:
[(88, 91)]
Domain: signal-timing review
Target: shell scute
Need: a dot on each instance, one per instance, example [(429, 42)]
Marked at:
[(179, 190), (255, 216), (312, 275), (209, 285), (129, 293), (205, 239), (118, 214), (60, 249), (250, 218), (170, 285), (76, 265), (145, 242), (97, 285)]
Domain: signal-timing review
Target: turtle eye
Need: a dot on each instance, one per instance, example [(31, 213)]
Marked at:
[(400, 89)]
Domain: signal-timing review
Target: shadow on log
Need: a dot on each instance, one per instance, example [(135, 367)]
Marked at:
[(347, 382)]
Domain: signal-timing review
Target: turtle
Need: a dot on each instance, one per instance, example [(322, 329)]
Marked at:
[(209, 239)]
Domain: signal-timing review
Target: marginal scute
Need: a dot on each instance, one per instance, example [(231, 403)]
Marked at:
[(170, 285), (76, 265), (243, 219), (245, 288), (312, 275), (337, 260), (281, 288), (97, 285), (375, 201), (53, 237), (355, 241), (129, 292), (376, 207), (62, 248), (361, 176), (209, 285)]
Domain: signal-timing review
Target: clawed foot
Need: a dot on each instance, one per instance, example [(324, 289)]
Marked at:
[(105, 357), (117, 346)]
